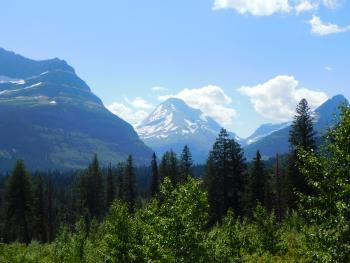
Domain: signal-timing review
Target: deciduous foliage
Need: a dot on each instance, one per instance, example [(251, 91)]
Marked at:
[(173, 230), (329, 208)]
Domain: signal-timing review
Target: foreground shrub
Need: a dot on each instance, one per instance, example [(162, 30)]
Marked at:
[(19, 253)]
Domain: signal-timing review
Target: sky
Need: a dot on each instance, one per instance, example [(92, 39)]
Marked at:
[(242, 62)]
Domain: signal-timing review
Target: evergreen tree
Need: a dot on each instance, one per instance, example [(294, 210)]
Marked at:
[(120, 177), (278, 187), (302, 136), (256, 192), (169, 167), (50, 208), (129, 192), (95, 192), (186, 163), (39, 226), (110, 186), (19, 197), (82, 195), (236, 181), (155, 176), (224, 177)]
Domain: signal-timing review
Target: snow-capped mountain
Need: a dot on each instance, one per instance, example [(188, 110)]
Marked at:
[(265, 130), (174, 124)]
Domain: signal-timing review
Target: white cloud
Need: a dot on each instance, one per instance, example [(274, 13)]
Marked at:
[(320, 28), (140, 103), (254, 7), (134, 113), (158, 88), (277, 98), (211, 100), (271, 7), (305, 6), (328, 68), (332, 4)]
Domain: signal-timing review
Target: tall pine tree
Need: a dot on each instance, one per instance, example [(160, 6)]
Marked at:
[(186, 163), (256, 192), (110, 186), (95, 190), (129, 191), (169, 167), (236, 181), (224, 177), (302, 136), (120, 179), (155, 176), (50, 208), (39, 209), (19, 209)]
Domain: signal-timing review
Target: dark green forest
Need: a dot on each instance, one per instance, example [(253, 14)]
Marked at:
[(291, 208)]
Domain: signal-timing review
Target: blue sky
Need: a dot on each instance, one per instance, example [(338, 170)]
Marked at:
[(244, 62)]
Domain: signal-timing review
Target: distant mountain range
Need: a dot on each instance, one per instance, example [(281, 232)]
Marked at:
[(265, 130), (50, 118), (174, 124), (326, 116)]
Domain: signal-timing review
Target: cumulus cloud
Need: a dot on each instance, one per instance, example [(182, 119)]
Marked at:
[(140, 103), (331, 3), (254, 7), (305, 6), (211, 100), (277, 98), (271, 7), (322, 29), (134, 112), (158, 88)]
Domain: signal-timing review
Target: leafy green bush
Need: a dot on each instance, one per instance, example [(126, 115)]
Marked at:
[(173, 229), (19, 253)]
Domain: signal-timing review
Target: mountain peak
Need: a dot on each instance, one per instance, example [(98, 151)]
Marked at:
[(329, 112), (41, 82), (332, 105), (174, 124), (16, 66), (175, 101), (57, 122), (336, 100)]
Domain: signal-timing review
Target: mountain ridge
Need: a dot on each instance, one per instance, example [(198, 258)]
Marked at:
[(326, 115), (52, 120)]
